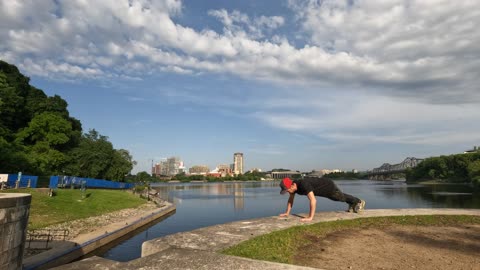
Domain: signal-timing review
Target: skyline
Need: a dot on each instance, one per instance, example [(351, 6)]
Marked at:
[(302, 85), (186, 168)]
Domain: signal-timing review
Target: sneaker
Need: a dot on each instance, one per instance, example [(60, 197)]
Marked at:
[(350, 209), (359, 206)]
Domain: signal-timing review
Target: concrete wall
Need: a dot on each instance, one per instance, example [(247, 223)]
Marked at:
[(14, 211)]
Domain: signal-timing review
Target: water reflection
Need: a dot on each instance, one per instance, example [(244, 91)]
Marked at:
[(234, 191), (447, 195)]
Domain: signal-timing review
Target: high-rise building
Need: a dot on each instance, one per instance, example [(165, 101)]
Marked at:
[(157, 169), (168, 167), (238, 163)]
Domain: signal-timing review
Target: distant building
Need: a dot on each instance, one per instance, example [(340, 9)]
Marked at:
[(221, 170), (323, 172), (283, 174), (157, 169), (224, 170), (168, 167), (475, 149), (238, 163), (199, 169), (214, 174)]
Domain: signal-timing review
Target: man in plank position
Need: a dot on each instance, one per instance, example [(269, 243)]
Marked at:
[(314, 186)]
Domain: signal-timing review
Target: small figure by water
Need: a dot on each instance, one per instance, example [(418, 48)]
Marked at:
[(322, 187)]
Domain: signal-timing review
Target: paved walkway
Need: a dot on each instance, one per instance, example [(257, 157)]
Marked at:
[(199, 249)]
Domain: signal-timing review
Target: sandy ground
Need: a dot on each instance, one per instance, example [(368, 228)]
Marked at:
[(398, 247)]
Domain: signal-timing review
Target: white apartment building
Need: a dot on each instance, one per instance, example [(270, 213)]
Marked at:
[(238, 163)]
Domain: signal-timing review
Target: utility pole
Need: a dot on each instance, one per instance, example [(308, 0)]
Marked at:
[(151, 168)]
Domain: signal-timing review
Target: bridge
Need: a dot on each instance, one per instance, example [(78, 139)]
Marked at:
[(386, 171)]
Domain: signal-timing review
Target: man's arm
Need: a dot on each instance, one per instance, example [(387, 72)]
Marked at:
[(289, 205), (313, 205)]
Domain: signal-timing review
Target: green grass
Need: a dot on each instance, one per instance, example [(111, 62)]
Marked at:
[(281, 246), (68, 204)]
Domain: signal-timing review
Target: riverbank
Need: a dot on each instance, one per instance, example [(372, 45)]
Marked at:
[(74, 204), (448, 239), (199, 249), (439, 182), (89, 234), (219, 181), (83, 226), (74, 223)]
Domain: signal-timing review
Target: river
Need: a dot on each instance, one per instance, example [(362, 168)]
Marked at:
[(205, 204)]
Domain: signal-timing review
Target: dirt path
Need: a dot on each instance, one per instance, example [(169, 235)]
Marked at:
[(397, 247)]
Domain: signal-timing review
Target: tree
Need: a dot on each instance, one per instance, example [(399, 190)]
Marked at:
[(180, 177), (11, 108), (49, 128), (120, 166), (95, 157), (12, 157), (474, 172), (43, 137), (453, 168), (144, 177), (37, 135), (92, 157), (255, 175), (45, 160)]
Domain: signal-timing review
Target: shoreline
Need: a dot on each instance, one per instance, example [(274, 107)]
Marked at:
[(199, 248), (153, 184), (93, 233), (438, 182)]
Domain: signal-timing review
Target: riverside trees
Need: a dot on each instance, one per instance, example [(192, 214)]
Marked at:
[(459, 168), (38, 136)]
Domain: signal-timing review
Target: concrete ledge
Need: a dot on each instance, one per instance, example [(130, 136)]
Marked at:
[(14, 211), (198, 249), (219, 237), (9, 200), (86, 243)]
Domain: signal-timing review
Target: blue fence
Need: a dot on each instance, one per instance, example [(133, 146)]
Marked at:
[(69, 181), (24, 179)]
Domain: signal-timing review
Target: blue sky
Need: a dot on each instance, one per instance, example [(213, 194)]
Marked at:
[(295, 84)]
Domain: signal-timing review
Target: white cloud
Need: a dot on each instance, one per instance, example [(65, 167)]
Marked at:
[(420, 46), (51, 69), (237, 23), (372, 119), (408, 64), (413, 49), (269, 22), (176, 69)]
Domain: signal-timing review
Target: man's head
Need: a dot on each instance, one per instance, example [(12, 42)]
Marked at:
[(287, 185)]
